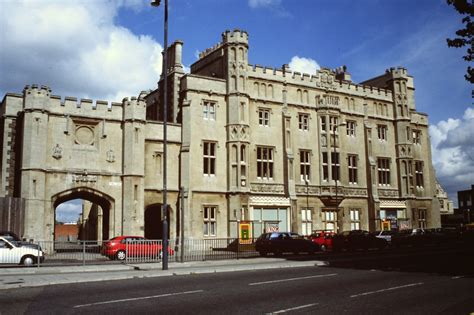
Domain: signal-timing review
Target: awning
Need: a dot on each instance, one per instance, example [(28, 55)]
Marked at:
[(392, 204)]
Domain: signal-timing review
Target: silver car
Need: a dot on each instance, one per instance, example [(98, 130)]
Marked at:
[(386, 235)]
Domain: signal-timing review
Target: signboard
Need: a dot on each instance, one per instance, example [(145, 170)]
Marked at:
[(245, 235), (272, 227)]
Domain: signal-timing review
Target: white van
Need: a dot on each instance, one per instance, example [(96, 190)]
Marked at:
[(11, 253)]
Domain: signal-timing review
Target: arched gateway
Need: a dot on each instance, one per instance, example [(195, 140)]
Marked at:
[(105, 154), (96, 216)]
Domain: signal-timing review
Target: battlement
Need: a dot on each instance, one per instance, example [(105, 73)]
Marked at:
[(323, 78), (210, 50), (235, 36), (37, 89), (397, 72)]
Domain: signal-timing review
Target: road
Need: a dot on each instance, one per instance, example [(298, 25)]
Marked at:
[(427, 281)]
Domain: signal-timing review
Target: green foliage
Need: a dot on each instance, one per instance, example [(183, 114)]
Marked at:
[(466, 34)]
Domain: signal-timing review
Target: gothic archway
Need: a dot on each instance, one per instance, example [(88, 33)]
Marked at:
[(95, 221)]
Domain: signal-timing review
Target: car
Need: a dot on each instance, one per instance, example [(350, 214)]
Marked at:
[(413, 237), (323, 239), (121, 247), (386, 235), (356, 240), (13, 238), (284, 242), (12, 253)]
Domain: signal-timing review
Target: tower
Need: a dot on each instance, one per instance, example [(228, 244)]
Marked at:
[(235, 47)]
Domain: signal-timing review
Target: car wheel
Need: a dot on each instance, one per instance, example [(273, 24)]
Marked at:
[(121, 255), (27, 261), (277, 252), (263, 253), (323, 248)]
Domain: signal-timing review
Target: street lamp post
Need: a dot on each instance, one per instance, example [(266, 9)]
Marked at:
[(336, 168), (156, 3)]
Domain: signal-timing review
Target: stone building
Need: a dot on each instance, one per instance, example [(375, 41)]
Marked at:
[(276, 149)]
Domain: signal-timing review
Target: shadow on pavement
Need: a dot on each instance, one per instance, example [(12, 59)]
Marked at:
[(446, 260)]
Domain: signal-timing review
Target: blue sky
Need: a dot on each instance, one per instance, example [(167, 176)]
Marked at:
[(108, 50)]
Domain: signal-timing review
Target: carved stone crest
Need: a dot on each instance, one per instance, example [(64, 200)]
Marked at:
[(57, 152), (110, 156)]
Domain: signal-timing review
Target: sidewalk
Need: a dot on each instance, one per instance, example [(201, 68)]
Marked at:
[(33, 277)]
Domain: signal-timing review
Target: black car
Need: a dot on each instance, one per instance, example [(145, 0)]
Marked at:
[(356, 240), (284, 242)]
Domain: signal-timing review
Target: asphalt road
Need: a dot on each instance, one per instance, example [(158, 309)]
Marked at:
[(308, 290), (409, 281)]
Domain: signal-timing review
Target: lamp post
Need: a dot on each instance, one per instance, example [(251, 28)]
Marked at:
[(336, 168), (164, 250)]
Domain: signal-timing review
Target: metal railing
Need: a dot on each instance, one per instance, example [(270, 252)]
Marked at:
[(59, 253)]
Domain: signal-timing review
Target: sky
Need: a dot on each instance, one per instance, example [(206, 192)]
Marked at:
[(111, 49)]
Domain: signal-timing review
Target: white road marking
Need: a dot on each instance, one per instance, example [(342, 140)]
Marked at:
[(293, 279), (457, 277), (388, 289), (293, 308), (137, 299)]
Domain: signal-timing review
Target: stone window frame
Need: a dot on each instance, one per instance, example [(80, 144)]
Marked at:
[(209, 109), (306, 221), (351, 128), (209, 215), (329, 217), (265, 162), (354, 215), (422, 213), (325, 166), (352, 168), (419, 174), (303, 121), (416, 136), (383, 171), (305, 165), (264, 117), (209, 156), (382, 132), (335, 164)]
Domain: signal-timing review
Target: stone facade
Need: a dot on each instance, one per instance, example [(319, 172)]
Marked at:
[(245, 143)]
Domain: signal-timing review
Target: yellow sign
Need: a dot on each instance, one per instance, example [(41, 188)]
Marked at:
[(245, 235)]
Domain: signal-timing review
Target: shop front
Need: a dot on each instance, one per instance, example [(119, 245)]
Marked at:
[(392, 216), (269, 214)]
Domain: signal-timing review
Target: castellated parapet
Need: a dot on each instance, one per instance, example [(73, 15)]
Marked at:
[(235, 36), (135, 108), (322, 79), (36, 97), (39, 97)]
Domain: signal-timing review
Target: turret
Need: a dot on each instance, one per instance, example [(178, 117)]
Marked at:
[(36, 97)]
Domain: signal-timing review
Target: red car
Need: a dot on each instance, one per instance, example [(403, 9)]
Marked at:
[(133, 246), (323, 239)]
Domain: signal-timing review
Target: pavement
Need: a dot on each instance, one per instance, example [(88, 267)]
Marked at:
[(19, 277)]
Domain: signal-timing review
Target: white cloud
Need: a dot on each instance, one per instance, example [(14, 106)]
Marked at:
[(69, 211), (304, 65), (75, 48), (263, 3), (452, 145)]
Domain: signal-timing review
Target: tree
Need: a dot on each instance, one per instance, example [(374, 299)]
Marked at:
[(466, 34)]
